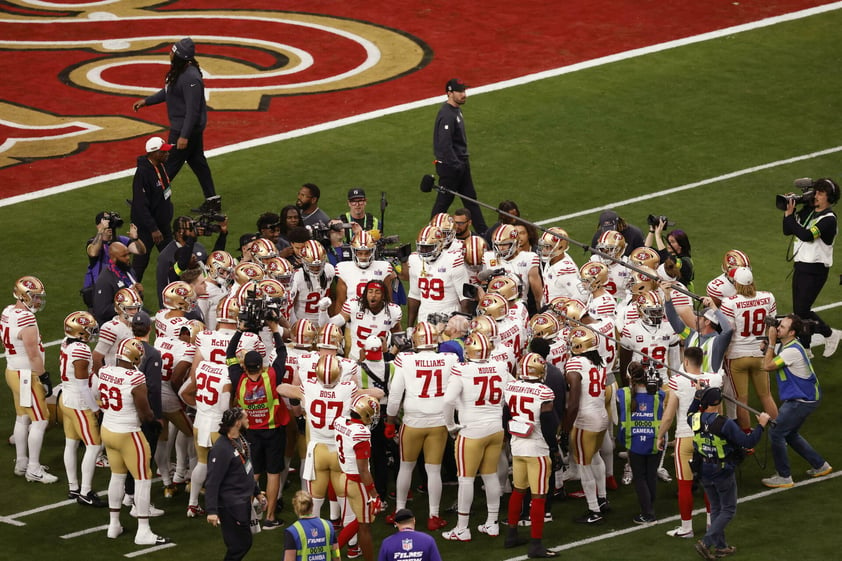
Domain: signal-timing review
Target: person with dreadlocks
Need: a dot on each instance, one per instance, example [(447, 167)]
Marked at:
[(371, 314), (184, 93)]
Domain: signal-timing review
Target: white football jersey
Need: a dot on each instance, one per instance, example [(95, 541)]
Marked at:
[(356, 278), (212, 345), (592, 416), (207, 302), (654, 342), (748, 316), (211, 379), (437, 285), (419, 380), (720, 288), (519, 265), (562, 279), (364, 323), (602, 306), (173, 351), (306, 293), (168, 327), (524, 400), (115, 396), (560, 349), (324, 405), (512, 334), (349, 434), (111, 334), (683, 388), (505, 354), (70, 353), (12, 322), (476, 388), (606, 342)]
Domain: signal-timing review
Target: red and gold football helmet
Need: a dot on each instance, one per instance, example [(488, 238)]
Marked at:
[(477, 346), (444, 222), (362, 249), (582, 340), (367, 408), (262, 249), (532, 368), (504, 241), (734, 258), (544, 325), (330, 337), (31, 292), (271, 289), (127, 302), (650, 306), (593, 275), (279, 269), (552, 245), (475, 248), (328, 370), (485, 325), (304, 334), (221, 265), (248, 271), (612, 243), (505, 286), (429, 244), (179, 295), (425, 336), (493, 305), (645, 257), (130, 350), (228, 310), (82, 326), (314, 257), (643, 281)]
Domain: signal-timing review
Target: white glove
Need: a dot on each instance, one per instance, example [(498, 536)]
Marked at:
[(409, 332), (373, 343), (324, 303), (454, 430)]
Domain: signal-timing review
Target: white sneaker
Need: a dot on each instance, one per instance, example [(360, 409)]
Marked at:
[(148, 538), (41, 476), (820, 471), (492, 529), (153, 512), (830, 343), (457, 534), (128, 500), (680, 532), (664, 475), (777, 481), (114, 531)]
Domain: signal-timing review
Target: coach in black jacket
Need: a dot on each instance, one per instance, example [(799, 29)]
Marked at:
[(152, 208)]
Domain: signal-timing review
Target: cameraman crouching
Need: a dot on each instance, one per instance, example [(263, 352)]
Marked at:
[(97, 249), (815, 228)]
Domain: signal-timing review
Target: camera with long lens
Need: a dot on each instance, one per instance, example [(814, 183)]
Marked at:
[(257, 310), (113, 220), (654, 220), (652, 380), (806, 186), (321, 232), (210, 217), (401, 341), (390, 248)]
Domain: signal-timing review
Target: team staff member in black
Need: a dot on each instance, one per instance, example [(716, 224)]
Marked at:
[(184, 93), (815, 228), (152, 209), (450, 146), (231, 486)]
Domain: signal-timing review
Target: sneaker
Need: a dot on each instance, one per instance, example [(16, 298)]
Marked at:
[(664, 475), (436, 523), (492, 529), (102, 461), (20, 467), (680, 532), (548, 517), (721, 552), (40, 476), (354, 552), (384, 506), (170, 491), (91, 499), (590, 517), (524, 523), (643, 519), (627, 474), (153, 511), (824, 469), (148, 538), (390, 518), (604, 507), (704, 551), (777, 481), (611, 483), (538, 551), (72, 494), (576, 495), (830, 343), (195, 511), (114, 531), (457, 534), (272, 524)]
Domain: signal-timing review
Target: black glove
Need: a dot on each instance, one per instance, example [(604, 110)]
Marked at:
[(555, 458), (47, 383)]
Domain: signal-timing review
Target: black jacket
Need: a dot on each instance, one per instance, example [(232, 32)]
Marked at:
[(150, 210)]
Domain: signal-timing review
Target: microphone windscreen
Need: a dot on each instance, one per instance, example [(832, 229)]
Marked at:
[(427, 183)]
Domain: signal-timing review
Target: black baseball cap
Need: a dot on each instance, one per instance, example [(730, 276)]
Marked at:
[(141, 320), (455, 85), (403, 515), (252, 360), (356, 193), (247, 238)]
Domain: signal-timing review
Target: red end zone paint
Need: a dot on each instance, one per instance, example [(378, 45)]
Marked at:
[(57, 125)]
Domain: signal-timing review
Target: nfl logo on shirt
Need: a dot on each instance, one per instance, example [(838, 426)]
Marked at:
[(314, 532), (406, 544)]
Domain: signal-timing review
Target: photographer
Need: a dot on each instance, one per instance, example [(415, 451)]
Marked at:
[(677, 248), (800, 394), (152, 208), (97, 247), (361, 220), (815, 227)]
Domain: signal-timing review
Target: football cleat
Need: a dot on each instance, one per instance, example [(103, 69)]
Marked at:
[(457, 534), (114, 531), (590, 517), (170, 491), (490, 529), (40, 475), (148, 538), (679, 532), (195, 511), (664, 475), (354, 552), (91, 499), (153, 511), (436, 523)]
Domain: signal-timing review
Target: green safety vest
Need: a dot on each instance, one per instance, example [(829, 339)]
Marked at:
[(306, 551)]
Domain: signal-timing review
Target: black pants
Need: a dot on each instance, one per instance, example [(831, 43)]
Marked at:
[(236, 533), (379, 462), (645, 479), (807, 282), (140, 262), (194, 155), (460, 181)]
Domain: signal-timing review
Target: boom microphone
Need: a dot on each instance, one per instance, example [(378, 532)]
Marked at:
[(427, 183)]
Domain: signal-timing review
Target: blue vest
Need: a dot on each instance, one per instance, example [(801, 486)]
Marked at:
[(639, 428), (312, 539), (791, 386)]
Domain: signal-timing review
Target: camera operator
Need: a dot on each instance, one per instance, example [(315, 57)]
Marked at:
[(357, 216), (107, 224), (178, 255), (677, 248), (152, 207), (815, 226)]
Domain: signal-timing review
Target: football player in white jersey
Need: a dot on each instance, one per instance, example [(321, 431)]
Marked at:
[(371, 314), (125, 404), (212, 344), (508, 287), (510, 332), (508, 255), (475, 390), (220, 267), (499, 352), (722, 286), (179, 298), (650, 336), (587, 418), (747, 311), (352, 276), (244, 273), (127, 303), (78, 406), (613, 244), (594, 277), (533, 425), (559, 272), (311, 284), (436, 278), (680, 393), (353, 446), (418, 384), (26, 376), (446, 224)]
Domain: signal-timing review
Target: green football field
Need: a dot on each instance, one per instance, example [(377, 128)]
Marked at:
[(731, 121)]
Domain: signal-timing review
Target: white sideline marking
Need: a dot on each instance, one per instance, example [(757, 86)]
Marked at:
[(522, 80), (84, 532), (675, 518), (149, 550)]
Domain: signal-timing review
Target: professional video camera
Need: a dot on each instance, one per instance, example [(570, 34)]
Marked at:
[(471, 291), (806, 186), (113, 220), (391, 248), (210, 216), (653, 220), (401, 341), (256, 310), (653, 380), (321, 231)]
